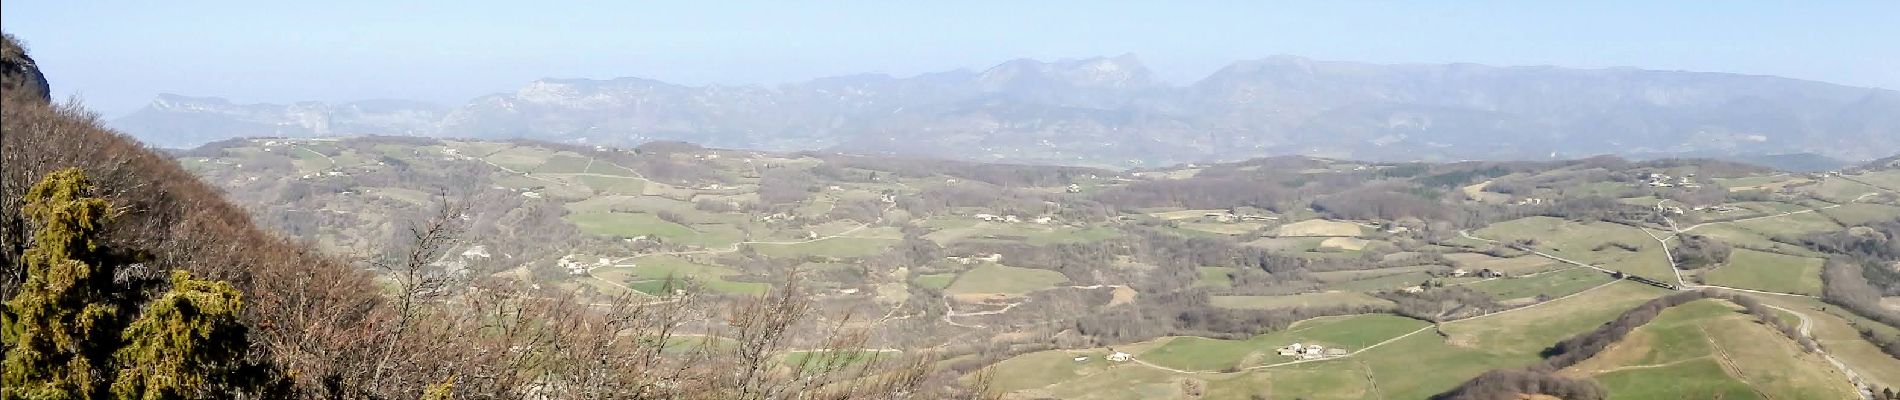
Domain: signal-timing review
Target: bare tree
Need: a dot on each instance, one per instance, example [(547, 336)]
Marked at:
[(418, 266)]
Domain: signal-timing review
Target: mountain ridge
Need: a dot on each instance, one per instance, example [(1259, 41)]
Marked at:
[(1111, 111)]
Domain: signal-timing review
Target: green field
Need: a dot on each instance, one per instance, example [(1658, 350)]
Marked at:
[(628, 225), (1502, 340), (1889, 179), (613, 185), (1708, 347), (840, 247), (1043, 368), (1363, 274), (1216, 277), (951, 231), (1698, 378), (1841, 190), (1735, 235), (651, 273), (998, 278), (1349, 332), (521, 159), (1073, 235), (1553, 284), (1387, 282), (1297, 300), (309, 161), (1862, 213), (1792, 224), (1650, 263), (1749, 181), (1582, 241), (1750, 269), (563, 163), (1520, 265), (935, 281), (623, 224)]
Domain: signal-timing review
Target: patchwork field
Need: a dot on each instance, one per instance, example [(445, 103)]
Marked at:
[(727, 222)]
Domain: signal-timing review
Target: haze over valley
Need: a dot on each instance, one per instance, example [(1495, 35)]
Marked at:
[(1113, 112), (1083, 228)]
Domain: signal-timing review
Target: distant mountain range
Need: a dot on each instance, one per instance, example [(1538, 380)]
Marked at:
[(1113, 112)]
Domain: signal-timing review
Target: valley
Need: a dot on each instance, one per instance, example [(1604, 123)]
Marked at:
[(1179, 282)]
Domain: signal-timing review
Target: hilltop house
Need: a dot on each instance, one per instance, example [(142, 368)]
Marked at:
[(1312, 352), (1292, 350)]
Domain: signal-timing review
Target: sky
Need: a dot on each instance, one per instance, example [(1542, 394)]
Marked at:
[(116, 55)]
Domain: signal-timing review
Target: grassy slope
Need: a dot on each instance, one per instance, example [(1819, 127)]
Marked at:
[(1554, 284), (1749, 269), (997, 278), (1706, 347), (1297, 300)]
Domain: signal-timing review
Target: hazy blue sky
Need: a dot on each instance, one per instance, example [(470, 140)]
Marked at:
[(116, 55)]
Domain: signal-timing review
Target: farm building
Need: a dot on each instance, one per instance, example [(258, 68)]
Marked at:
[(1292, 349)]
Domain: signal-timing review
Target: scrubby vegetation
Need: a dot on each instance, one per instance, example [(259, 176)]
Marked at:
[(96, 308)]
